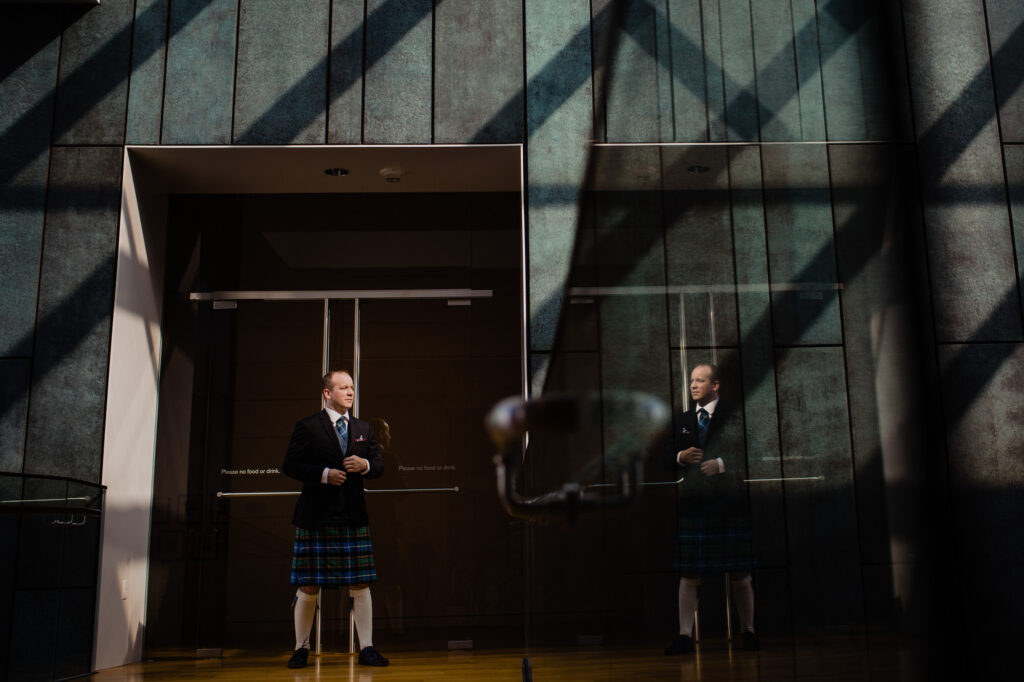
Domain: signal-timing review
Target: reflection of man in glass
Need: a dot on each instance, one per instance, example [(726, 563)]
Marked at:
[(381, 431), (332, 452), (390, 545), (714, 515)]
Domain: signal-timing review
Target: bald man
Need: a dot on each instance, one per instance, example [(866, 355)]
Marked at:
[(714, 513), (331, 452)]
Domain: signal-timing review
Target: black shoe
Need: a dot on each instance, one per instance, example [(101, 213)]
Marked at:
[(370, 656), (682, 644), (751, 642), (299, 658)]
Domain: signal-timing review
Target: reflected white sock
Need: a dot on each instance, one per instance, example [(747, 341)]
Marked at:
[(743, 594), (362, 605), (305, 610), (687, 604)]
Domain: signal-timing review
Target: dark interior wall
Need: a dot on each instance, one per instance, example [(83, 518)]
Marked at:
[(234, 381)]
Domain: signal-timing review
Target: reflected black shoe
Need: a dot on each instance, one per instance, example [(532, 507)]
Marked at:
[(370, 656), (682, 644), (751, 642), (299, 658)]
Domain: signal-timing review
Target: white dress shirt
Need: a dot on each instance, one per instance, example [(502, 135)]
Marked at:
[(335, 416)]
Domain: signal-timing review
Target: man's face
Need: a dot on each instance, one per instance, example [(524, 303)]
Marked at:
[(341, 394), (702, 389)]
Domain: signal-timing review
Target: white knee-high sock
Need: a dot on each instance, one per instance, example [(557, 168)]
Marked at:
[(687, 604), (743, 593), (305, 610), (362, 605)]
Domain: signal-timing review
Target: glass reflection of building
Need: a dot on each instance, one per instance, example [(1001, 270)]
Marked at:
[(819, 196)]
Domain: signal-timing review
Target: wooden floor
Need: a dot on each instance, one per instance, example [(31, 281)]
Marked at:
[(829, 658)]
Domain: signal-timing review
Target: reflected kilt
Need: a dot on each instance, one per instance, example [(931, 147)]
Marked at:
[(713, 545), (333, 555)]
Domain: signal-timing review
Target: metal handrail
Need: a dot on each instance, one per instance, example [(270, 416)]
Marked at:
[(46, 499), (76, 513)]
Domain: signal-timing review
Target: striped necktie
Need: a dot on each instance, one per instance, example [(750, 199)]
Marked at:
[(702, 425), (341, 426)]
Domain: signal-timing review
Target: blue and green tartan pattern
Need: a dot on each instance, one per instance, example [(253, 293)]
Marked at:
[(332, 555), (705, 546)]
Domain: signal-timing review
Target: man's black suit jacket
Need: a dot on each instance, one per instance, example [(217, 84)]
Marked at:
[(721, 494), (314, 446)]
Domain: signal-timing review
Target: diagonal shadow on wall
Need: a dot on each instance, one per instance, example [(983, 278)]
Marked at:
[(94, 78), (1014, 45), (935, 137), (265, 129)]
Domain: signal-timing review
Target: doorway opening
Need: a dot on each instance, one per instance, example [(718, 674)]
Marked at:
[(259, 283)]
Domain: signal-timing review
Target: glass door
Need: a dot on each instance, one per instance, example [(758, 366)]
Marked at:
[(238, 375), (427, 369), (272, 380), (449, 558)]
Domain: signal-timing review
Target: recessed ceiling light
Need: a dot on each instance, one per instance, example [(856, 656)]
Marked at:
[(336, 172), (696, 170)]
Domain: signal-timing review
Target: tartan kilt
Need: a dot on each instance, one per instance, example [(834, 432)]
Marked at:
[(713, 544), (332, 555)]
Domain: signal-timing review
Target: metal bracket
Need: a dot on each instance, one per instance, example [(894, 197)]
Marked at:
[(511, 420)]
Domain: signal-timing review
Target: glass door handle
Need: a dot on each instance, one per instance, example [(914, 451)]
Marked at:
[(647, 483), (281, 493), (277, 493), (787, 479), (452, 489), (745, 480)]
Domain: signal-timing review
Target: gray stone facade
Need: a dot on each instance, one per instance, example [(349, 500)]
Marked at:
[(928, 91)]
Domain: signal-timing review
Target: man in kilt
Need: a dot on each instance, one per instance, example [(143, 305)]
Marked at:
[(331, 453), (714, 513)]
